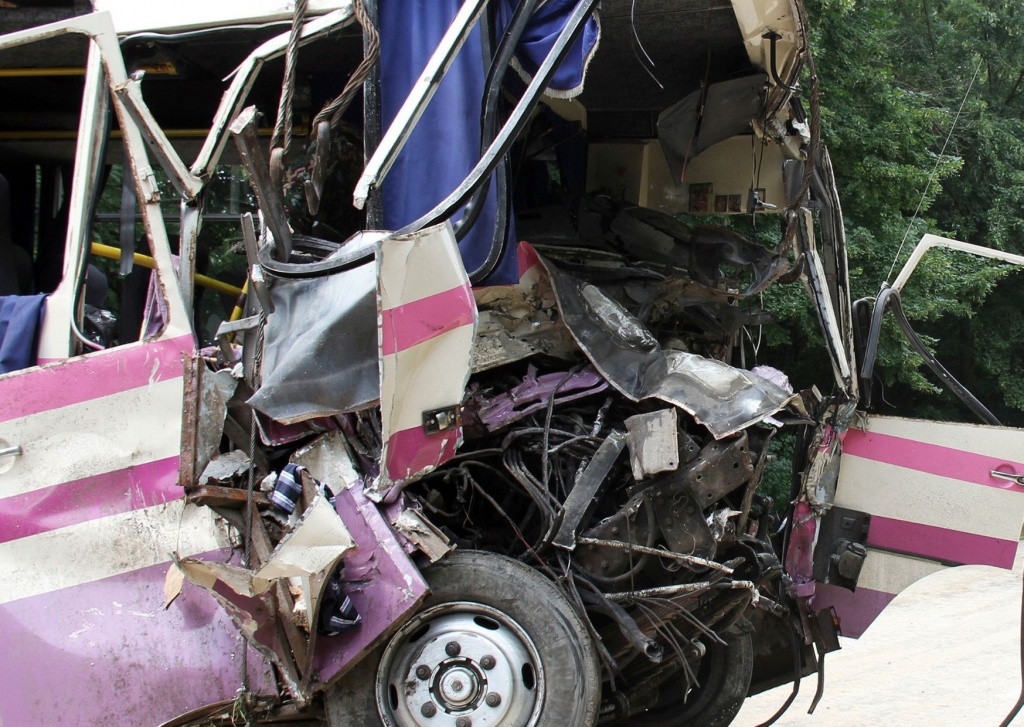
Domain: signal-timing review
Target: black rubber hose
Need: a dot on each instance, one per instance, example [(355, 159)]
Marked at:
[(492, 97), (513, 127), (795, 645), (890, 298), (489, 105), (938, 369)]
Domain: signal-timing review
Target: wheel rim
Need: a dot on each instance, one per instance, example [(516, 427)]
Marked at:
[(460, 665)]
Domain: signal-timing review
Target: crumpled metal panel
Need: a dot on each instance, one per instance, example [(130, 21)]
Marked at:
[(800, 553), (653, 442), (308, 553), (320, 350), (254, 616), (428, 321), (723, 398), (384, 584), (216, 391)]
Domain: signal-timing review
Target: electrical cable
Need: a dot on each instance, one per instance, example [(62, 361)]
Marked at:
[(935, 169)]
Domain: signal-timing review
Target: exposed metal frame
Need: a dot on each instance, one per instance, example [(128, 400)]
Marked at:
[(143, 135), (416, 102), (106, 70), (889, 299), (244, 77), (928, 242)]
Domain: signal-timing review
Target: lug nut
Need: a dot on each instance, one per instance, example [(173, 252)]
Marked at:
[(452, 648), (487, 662), (423, 671), (463, 722), (428, 710), (493, 699)]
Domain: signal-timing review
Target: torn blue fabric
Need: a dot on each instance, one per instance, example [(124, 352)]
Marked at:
[(21, 319), (445, 144), (541, 34)]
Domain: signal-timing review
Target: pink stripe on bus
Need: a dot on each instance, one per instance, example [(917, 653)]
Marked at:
[(92, 376), (413, 450), (71, 503), (105, 652), (942, 544), (856, 610), (526, 257), (406, 325), (933, 459)]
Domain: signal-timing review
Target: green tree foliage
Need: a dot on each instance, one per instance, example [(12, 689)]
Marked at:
[(922, 107)]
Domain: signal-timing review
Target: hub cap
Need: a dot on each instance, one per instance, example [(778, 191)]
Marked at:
[(460, 664)]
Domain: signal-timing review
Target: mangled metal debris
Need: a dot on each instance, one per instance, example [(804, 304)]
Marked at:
[(579, 426), (509, 438)]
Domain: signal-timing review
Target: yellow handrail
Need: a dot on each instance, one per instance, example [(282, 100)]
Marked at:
[(114, 253)]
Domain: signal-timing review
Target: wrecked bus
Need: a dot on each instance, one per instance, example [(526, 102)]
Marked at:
[(481, 444)]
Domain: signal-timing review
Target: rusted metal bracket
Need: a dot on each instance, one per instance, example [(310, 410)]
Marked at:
[(581, 499), (282, 601), (269, 198), (260, 285)]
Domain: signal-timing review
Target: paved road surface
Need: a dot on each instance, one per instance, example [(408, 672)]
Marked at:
[(945, 652)]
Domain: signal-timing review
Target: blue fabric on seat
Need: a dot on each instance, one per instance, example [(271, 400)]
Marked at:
[(21, 318)]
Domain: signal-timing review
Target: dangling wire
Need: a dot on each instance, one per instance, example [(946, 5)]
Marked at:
[(635, 43), (703, 94), (935, 170)]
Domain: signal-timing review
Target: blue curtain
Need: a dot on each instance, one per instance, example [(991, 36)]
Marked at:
[(445, 145)]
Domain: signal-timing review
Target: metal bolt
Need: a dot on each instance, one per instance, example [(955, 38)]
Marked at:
[(487, 662), (493, 699), (423, 671), (463, 722), (452, 648), (615, 531), (428, 710), (457, 686)]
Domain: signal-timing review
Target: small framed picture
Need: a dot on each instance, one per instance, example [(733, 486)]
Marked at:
[(700, 197)]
